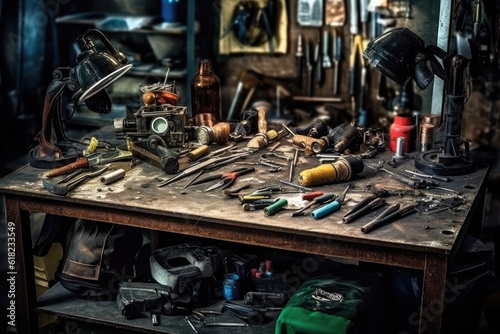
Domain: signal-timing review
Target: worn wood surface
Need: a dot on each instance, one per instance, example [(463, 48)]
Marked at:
[(139, 192)]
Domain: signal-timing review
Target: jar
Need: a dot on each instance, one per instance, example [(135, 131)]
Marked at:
[(403, 126), (174, 11), (205, 93)]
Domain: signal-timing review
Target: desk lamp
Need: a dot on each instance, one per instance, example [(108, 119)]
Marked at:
[(94, 71), (401, 55)]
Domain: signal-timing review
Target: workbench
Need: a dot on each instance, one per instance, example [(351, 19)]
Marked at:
[(420, 241)]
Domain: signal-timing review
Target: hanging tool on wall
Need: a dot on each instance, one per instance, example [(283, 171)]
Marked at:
[(335, 13), (357, 66), (326, 61), (335, 17), (310, 13), (337, 57), (310, 67), (363, 17), (299, 56), (357, 85), (318, 55), (353, 17)]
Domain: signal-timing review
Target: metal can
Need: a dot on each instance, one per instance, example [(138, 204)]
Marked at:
[(427, 136)]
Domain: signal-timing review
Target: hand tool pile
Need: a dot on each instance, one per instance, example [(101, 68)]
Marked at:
[(235, 168)]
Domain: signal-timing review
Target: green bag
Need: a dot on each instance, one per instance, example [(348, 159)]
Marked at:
[(349, 301)]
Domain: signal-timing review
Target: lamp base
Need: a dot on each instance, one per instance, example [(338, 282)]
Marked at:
[(67, 154), (439, 163)]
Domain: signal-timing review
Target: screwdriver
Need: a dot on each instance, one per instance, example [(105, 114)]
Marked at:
[(310, 68), (337, 56), (311, 195), (330, 207), (317, 200), (429, 176), (299, 56), (377, 202), (389, 217)]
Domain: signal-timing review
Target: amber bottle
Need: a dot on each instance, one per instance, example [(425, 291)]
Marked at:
[(205, 94)]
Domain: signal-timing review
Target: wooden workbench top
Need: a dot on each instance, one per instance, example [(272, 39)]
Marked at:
[(139, 192)]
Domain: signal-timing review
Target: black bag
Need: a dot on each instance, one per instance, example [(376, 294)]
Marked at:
[(99, 256)]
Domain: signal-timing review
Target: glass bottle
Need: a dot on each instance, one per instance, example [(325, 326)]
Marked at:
[(205, 94)]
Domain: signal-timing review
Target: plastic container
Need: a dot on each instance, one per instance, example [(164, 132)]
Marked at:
[(231, 287), (403, 126), (174, 11)]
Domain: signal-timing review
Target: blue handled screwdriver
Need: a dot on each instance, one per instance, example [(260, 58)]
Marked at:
[(316, 201), (329, 208)]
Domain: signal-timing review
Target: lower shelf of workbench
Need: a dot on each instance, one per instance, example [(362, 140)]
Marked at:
[(63, 303)]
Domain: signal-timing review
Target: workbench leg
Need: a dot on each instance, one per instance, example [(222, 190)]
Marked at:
[(20, 269), (433, 293)]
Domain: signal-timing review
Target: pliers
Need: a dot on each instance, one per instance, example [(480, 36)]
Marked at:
[(226, 179)]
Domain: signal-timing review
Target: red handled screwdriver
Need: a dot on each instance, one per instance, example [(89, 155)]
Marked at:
[(311, 195)]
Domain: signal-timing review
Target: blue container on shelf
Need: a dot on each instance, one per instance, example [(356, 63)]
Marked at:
[(173, 11)]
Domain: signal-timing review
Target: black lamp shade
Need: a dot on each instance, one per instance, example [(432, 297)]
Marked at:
[(97, 71), (396, 54)]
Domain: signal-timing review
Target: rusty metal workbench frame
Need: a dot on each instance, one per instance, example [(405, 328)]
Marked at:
[(404, 244)]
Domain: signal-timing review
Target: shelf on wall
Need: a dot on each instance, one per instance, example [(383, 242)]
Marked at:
[(135, 24)]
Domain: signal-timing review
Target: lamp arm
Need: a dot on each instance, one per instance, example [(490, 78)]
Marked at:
[(438, 69), (54, 91)]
